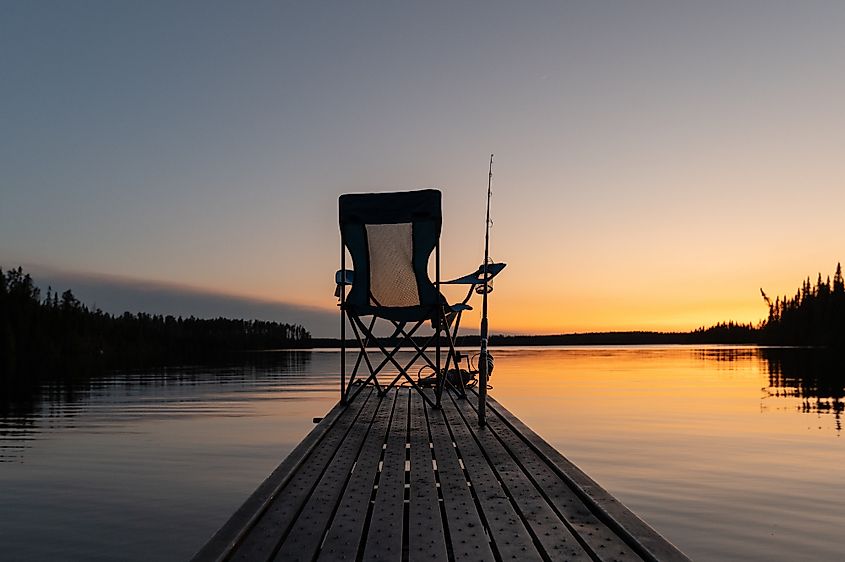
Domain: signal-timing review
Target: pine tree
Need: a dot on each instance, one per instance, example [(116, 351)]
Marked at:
[(838, 283)]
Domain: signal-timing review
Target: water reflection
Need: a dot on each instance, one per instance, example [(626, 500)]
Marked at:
[(727, 355), (27, 411), (815, 377), (728, 451), (700, 441)]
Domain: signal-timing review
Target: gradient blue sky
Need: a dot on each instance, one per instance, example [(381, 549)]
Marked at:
[(656, 162)]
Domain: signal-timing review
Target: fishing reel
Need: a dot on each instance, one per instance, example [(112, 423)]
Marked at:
[(485, 288)]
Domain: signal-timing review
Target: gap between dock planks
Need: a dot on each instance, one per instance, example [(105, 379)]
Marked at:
[(390, 478)]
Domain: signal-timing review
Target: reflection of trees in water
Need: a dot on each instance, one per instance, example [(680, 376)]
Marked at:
[(17, 430), (21, 398), (24, 407), (727, 356), (815, 376)]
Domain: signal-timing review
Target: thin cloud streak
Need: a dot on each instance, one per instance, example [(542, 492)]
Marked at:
[(116, 294)]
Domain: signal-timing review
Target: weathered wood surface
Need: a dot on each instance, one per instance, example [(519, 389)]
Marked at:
[(389, 478)]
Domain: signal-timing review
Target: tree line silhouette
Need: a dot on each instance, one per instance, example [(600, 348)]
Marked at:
[(59, 335), (724, 332), (814, 316)]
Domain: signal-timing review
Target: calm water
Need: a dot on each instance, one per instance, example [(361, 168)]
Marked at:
[(730, 452)]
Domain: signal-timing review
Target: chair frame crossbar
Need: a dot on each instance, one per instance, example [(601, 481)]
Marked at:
[(445, 320)]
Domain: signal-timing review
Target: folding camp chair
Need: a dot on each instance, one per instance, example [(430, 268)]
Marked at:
[(390, 237)]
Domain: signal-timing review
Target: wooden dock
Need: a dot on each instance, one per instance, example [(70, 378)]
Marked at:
[(392, 479)]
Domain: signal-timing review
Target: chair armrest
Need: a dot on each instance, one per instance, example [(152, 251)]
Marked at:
[(477, 277), (345, 276)]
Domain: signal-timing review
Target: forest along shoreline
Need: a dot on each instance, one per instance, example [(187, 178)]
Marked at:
[(56, 336)]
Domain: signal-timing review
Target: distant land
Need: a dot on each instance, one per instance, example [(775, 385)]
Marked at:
[(56, 333), (727, 333)]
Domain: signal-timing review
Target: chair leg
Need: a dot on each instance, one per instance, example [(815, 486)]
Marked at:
[(452, 356), (343, 397), (389, 355), (364, 336), (362, 344), (361, 353), (437, 370), (403, 371), (453, 353)]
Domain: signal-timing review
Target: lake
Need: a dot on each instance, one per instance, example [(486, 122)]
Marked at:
[(731, 452)]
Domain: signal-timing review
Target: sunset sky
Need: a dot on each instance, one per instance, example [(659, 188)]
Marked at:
[(657, 163)]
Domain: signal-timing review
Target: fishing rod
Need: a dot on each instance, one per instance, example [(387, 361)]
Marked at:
[(483, 360)]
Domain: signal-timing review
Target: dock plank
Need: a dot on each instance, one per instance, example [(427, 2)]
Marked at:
[(597, 537), (229, 536), (305, 536), (643, 539), (384, 537), (426, 536), (346, 533), (554, 536), (466, 530), (510, 538), (261, 542), (390, 478)]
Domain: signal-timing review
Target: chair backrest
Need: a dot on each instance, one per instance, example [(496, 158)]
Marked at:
[(390, 237)]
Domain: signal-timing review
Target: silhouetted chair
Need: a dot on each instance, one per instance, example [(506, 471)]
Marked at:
[(390, 237)]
